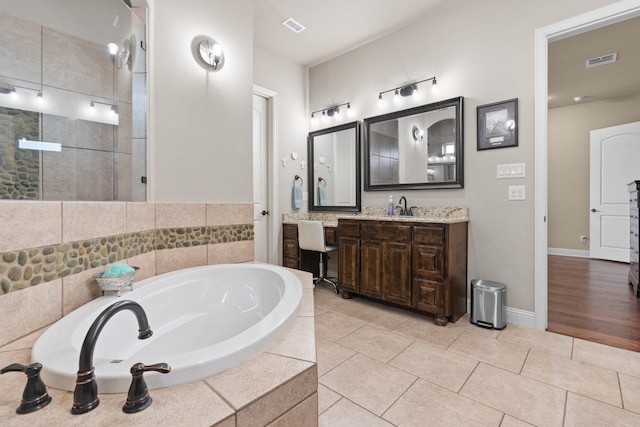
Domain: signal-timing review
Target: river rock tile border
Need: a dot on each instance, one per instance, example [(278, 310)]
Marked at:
[(29, 267)]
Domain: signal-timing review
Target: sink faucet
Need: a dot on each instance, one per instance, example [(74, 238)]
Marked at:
[(85, 395), (403, 211)]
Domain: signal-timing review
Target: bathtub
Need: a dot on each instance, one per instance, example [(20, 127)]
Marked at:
[(204, 320)]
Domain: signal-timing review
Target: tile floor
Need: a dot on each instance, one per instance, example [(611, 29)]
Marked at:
[(380, 366)]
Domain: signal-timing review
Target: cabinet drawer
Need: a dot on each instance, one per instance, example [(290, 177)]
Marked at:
[(428, 295), (331, 236), (428, 261), (386, 232), (348, 229), (290, 248), (434, 234), (290, 231)]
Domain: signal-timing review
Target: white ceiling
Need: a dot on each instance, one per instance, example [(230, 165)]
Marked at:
[(334, 27)]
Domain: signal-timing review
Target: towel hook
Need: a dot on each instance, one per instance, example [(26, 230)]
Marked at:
[(297, 177), (322, 181)]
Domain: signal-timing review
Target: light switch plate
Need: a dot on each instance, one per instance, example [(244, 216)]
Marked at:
[(511, 170), (516, 192), (305, 196)]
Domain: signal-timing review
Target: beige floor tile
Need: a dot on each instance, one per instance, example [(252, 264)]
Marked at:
[(374, 342), (630, 387), (582, 411), (329, 355), (328, 300), (559, 345), (607, 357), (381, 316), (423, 329), (333, 326), (491, 351), (326, 398), (441, 367), (425, 401), (523, 398), (348, 414), (368, 382), (465, 324), (509, 421), (587, 380)]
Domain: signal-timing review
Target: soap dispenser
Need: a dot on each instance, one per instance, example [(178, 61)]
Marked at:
[(390, 209)]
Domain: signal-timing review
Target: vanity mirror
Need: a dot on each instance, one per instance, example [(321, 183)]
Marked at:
[(73, 78), (334, 170), (417, 148)]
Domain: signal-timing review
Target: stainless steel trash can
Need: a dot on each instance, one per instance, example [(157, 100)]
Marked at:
[(488, 304)]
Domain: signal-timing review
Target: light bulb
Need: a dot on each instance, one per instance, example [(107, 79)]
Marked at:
[(40, 98), (434, 86), (113, 48)]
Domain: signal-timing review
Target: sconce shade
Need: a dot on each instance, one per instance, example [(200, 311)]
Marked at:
[(211, 54)]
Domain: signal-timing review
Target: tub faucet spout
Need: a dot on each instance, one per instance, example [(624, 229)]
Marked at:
[(85, 395)]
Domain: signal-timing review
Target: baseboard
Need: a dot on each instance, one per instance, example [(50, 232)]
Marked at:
[(578, 253), (515, 316)]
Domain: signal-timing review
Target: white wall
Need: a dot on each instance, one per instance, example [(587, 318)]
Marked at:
[(484, 52), (200, 122)]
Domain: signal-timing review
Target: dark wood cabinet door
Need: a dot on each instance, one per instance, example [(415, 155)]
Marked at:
[(349, 264), (371, 279), (428, 295), (397, 273), (428, 261)]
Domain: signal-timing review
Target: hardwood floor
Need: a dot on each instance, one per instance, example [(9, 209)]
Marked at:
[(592, 299)]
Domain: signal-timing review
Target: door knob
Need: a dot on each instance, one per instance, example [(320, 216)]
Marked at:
[(594, 210), (264, 213)]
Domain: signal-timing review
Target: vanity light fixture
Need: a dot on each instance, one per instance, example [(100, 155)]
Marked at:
[(333, 111), (112, 107), (11, 90), (211, 54), (408, 90)]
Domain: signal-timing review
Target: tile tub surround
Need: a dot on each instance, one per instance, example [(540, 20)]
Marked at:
[(277, 388), (45, 244)]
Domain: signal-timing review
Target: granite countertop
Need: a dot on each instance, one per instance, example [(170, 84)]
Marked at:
[(443, 215)]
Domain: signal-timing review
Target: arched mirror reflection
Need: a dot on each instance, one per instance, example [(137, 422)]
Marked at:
[(334, 169), (418, 148), (72, 100)]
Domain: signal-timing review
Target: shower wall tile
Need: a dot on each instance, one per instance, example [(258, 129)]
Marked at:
[(229, 213), (123, 82), (29, 224), (139, 99), (176, 259), (231, 252), (20, 45), (140, 216), (75, 64), (79, 289), (123, 132), (77, 174), (172, 215), (30, 309), (123, 178), (78, 133), (139, 169), (87, 220)]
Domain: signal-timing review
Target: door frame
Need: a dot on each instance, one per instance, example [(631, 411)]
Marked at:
[(272, 185), (598, 18)]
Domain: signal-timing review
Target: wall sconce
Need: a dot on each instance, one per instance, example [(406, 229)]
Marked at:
[(11, 90), (410, 89), (211, 54), (417, 134), (333, 111), (121, 56)]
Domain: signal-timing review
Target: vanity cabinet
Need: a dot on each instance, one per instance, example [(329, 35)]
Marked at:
[(634, 270), (417, 265)]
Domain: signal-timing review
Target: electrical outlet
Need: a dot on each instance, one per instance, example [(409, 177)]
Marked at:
[(516, 192)]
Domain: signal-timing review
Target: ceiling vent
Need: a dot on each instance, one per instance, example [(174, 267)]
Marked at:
[(293, 25), (602, 60)]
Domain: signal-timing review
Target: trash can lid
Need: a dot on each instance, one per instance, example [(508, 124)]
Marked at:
[(488, 285)]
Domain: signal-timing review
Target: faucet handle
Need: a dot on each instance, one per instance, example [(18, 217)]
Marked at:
[(35, 394), (138, 398)]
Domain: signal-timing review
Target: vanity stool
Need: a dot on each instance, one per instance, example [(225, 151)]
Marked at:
[(311, 238)]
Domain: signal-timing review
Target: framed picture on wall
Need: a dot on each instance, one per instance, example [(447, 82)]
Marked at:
[(498, 125)]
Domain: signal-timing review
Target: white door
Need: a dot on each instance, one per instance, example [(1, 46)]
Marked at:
[(615, 162), (260, 179)]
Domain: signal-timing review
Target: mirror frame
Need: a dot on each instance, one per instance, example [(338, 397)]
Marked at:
[(459, 147), (311, 175)]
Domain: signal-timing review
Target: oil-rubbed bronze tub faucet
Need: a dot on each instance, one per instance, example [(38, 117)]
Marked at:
[(85, 396)]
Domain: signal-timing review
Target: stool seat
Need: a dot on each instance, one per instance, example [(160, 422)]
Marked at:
[(311, 238)]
